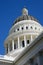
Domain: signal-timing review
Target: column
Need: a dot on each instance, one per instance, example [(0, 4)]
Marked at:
[(18, 42), (25, 40), (12, 44), (31, 38), (20, 27)]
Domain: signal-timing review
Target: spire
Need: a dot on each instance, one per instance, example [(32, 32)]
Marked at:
[(24, 11)]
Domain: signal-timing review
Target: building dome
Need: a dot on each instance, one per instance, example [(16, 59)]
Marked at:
[(24, 16), (25, 29)]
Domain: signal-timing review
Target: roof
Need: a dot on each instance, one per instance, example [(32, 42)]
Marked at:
[(24, 16)]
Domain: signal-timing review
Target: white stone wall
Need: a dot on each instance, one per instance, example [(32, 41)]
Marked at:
[(30, 23), (20, 29)]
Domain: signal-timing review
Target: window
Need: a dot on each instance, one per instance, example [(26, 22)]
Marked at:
[(31, 27), (23, 43), (22, 28), (26, 27), (18, 29), (27, 41), (35, 28), (14, 46)]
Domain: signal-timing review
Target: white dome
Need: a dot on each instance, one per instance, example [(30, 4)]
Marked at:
[(25, 29)]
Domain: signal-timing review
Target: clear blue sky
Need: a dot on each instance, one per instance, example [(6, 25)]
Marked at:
[(11, 9)]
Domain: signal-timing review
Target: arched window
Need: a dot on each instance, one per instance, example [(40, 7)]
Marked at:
[(23, 43), (31, 27), (18, 29), (27, 41), (14, 46), (22, 28), (10, 46), (26, 27), (7, 48)]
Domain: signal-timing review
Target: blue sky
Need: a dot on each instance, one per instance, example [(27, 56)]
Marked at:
[(11, 9)]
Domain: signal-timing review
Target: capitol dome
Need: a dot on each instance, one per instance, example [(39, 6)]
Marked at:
[(24, 30)]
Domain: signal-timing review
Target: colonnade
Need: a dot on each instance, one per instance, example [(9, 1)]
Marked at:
[(18, 43)]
